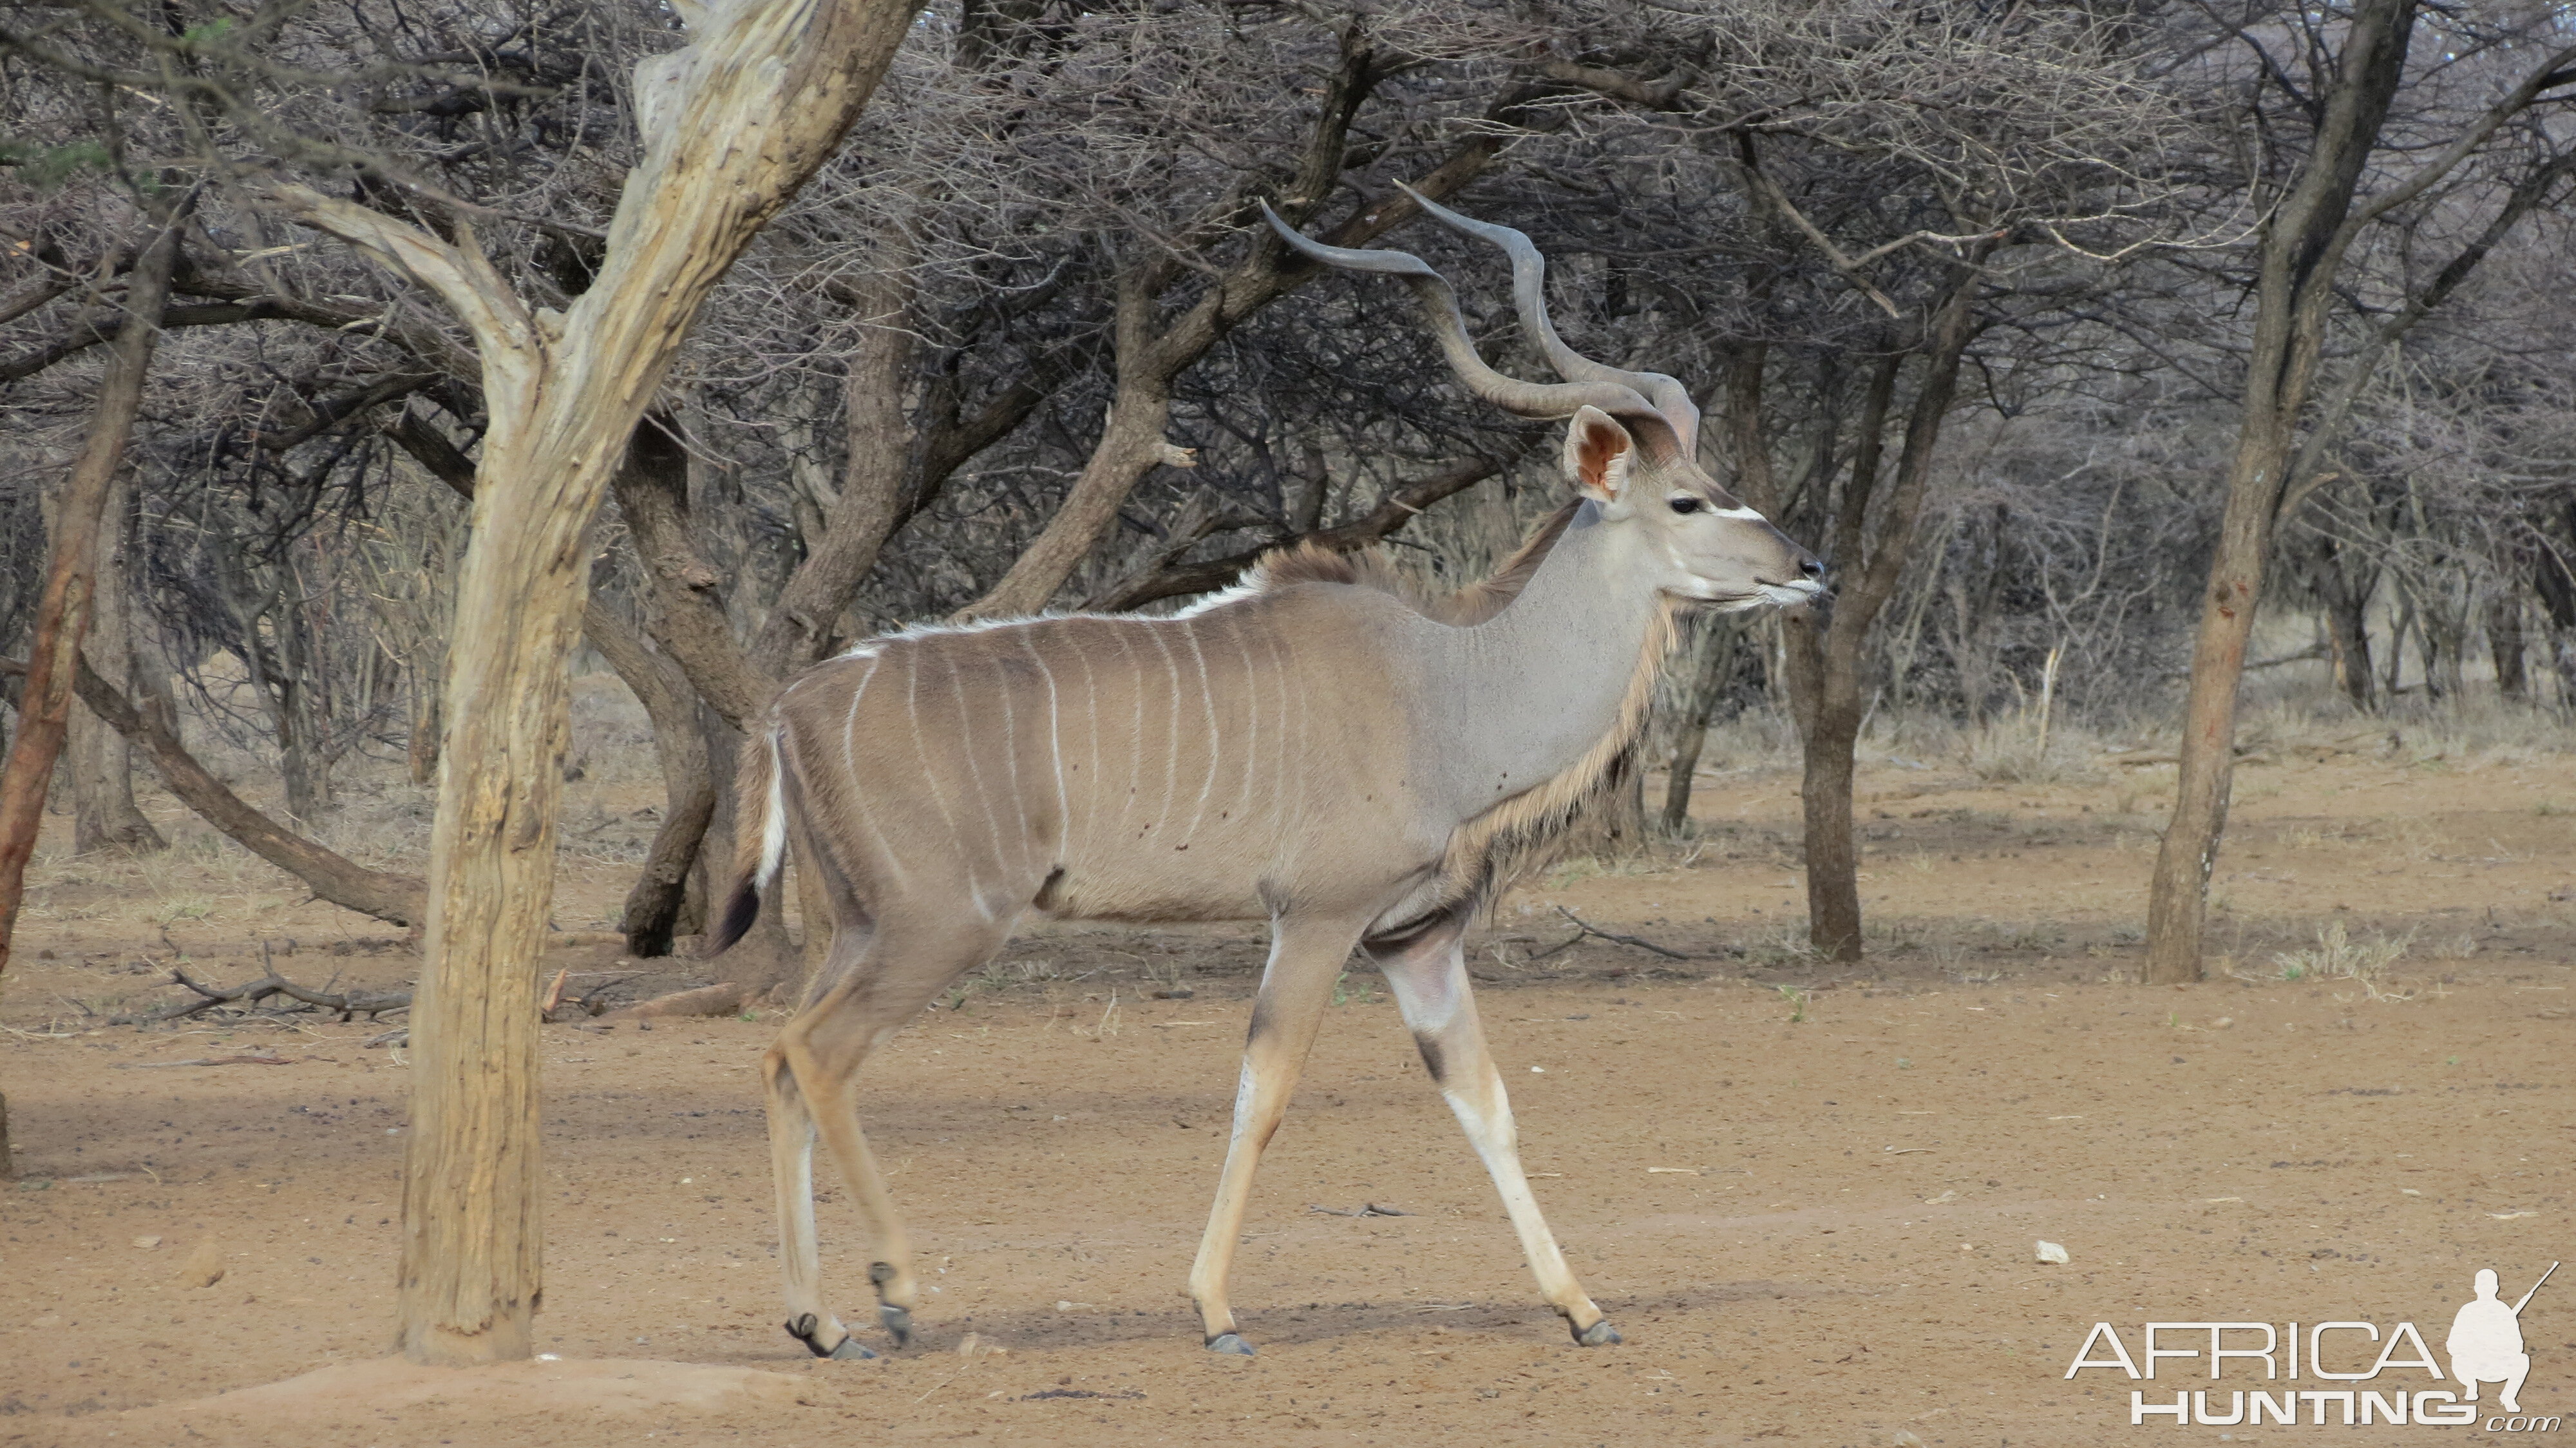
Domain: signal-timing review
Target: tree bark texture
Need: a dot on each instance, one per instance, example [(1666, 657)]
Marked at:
[(654, 903), (2505, 643), (104, 815), (1824, 648), (731, 126), (63, 610), (801, 627), (2343, 591), (1709, 683), (2302, 247)]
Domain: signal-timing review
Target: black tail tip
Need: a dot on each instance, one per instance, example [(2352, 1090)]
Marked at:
[(741, 908)]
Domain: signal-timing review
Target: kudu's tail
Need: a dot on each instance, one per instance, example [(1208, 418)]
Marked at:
[(759, 835)]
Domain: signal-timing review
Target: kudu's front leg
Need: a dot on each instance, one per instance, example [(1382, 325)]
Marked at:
[(1427, 971), (1306, 957)]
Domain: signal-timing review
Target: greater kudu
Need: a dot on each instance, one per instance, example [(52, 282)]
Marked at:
[(1314, 747)]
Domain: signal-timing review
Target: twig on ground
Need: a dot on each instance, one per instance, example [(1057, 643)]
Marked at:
[(1584, 928), (348, 1003), (207, 1061)]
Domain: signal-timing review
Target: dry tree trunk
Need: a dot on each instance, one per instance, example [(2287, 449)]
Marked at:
[(2303, 245), (654, 903), (2344, 593), (1715, 676), (104, 815), (1824, 654), (420, 747), (1130, 446), (2301, 251), (731, 126), (63, 611), (2505, 643)]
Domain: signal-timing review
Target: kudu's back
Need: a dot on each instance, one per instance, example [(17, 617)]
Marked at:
[(1217, 765)]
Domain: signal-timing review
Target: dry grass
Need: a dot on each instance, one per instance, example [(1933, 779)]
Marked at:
[(2013, 749), (2337, 956)]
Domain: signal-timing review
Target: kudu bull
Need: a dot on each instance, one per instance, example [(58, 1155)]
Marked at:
[(1314, 748)]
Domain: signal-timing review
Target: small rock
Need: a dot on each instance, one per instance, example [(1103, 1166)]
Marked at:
[(147, 1243), (204, 1267), (2051, 1252), (1177, 993)]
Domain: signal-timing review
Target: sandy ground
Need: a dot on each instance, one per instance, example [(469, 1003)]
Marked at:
[(1809, 1197)]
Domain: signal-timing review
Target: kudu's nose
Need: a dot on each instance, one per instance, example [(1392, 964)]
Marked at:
[(1812, 567)]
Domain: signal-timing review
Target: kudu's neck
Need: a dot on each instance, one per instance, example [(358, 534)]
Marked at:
[(1534, 689)]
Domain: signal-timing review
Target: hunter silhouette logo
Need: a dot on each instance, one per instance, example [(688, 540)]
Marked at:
[(2486, 1342), (2356, 1386)]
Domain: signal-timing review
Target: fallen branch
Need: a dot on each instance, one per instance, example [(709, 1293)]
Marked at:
[(207, 1061), (349, 1004), (722, 999), (1583, 928), (399, 899), (2312, 651)]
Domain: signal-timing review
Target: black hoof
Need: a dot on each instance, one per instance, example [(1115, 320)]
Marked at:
[(1599, 1334), (1231, 1343), (808, 1328), (898, 1323)]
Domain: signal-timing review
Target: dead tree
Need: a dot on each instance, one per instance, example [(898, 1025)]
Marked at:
[(2306, 236), (63, 613), (732, 125)]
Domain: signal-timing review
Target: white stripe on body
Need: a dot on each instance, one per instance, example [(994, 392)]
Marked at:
[(1135, 738), (1171, 729), (930, 776), (850, 754), (1207, 704), (1252, 728), (1011, 752), (1055, 741), (975, 775)]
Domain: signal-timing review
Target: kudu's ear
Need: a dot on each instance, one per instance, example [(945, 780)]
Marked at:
[(1598, 455)]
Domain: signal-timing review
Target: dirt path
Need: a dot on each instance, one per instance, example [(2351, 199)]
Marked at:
[(1811, 1211)]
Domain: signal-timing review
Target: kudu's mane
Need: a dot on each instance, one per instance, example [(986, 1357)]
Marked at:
[(1372, 569), (1486, 853)]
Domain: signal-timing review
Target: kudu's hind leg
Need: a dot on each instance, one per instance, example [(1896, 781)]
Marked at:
[(791, 1158), (878, 983), (1305, 959), (1427, 972)]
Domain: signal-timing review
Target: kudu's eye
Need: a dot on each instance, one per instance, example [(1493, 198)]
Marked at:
[(1688, 504)]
